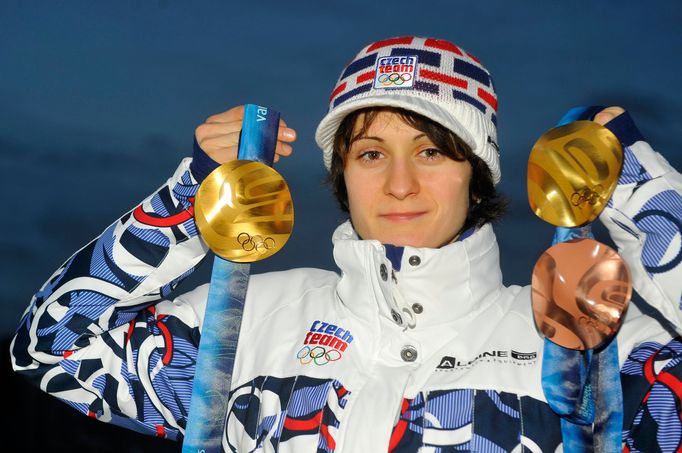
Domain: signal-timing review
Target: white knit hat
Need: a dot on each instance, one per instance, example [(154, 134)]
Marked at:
[(431, 77)]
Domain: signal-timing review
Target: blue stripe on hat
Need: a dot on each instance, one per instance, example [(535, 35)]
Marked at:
[(359, 65), (424, 56), (426, 86), (472, 71), (466, 98), (351, 93)]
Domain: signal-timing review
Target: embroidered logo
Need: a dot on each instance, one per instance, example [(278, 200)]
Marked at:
[(395, 71), (493, 356), (446, 363), (324, 343)]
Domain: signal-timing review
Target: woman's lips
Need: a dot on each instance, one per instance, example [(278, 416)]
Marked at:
[(401, 216)]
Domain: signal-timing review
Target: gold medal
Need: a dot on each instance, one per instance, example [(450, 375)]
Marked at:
[(572, 172), (580, 291), (244, 211)]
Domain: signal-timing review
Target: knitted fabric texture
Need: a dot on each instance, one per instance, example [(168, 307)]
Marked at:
[(431, 77)]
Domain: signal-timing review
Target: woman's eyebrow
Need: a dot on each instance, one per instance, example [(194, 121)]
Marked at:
[(368, 137), (379, 139)]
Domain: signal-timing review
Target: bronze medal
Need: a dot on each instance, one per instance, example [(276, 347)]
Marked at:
[(580, 291)]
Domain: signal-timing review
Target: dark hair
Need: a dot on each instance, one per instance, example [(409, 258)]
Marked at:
[(485, 204)]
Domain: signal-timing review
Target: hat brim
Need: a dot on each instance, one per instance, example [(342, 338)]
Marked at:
[(326, 130)]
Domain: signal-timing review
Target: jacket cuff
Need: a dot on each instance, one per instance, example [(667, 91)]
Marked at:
[(202, 165), (623, 127)]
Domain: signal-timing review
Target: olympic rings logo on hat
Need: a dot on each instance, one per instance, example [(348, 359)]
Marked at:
[(318, 355), (258, 243), (394, 78)]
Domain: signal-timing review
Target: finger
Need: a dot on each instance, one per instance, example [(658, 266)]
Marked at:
[(211, 130), (207, 143), (216, 128), (286, 134), (234, 114), (219, 151), (608, 114), (224, 154), (283, 149)]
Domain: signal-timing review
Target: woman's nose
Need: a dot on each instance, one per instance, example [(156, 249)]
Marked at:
[(401, 179)]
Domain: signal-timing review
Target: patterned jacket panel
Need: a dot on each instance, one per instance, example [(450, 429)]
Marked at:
[(96, 336)]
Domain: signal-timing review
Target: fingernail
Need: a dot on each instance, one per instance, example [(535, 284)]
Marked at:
[(288, 133)]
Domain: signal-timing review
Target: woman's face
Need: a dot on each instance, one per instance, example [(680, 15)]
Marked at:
[(401, 189)]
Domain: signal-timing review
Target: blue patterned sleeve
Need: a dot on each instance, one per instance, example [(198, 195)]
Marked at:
[(644, 218), (100, 335)]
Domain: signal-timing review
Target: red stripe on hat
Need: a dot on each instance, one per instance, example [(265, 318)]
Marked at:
[(337, 90), (443, 45), (488, 97), (365, 77), (92, 414), (67, 353), (390, 42), (437, 76), (160, 431)]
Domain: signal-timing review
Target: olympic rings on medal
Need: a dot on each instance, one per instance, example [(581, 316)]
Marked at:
[(587, 195), (394, 78), (318, 354), (257, 243)]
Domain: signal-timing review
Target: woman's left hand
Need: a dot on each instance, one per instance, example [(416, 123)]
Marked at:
[(608, 114)]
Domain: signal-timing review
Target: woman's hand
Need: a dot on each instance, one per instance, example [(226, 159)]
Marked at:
[(607, 115), (218, 136)]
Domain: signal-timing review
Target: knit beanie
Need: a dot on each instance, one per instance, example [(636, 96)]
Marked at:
[(431, 77)]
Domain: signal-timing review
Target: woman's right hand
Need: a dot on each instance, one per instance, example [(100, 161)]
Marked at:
[(218, 136)]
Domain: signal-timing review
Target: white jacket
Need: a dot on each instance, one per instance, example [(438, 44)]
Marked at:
[(470, 332), (426, 352)]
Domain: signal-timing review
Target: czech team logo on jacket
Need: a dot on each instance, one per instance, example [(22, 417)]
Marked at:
[(395, 71), (325, 342)]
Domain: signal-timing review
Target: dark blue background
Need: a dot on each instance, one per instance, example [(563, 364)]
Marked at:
[(99, 102)]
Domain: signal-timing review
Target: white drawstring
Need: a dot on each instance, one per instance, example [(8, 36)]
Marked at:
[(403, 307)]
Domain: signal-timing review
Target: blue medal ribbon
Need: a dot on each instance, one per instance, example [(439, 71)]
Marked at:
[(583, 387), (224, 309)]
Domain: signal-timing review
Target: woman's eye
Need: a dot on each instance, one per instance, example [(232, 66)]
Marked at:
[(431, 153), (370, 155)]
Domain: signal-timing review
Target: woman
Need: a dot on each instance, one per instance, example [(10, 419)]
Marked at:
[(416, 344)]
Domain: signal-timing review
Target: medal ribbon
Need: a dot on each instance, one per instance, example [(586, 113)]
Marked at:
[(583, 386), (224, 309)]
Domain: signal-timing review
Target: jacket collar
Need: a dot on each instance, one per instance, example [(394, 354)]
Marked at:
[(450, 283)]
